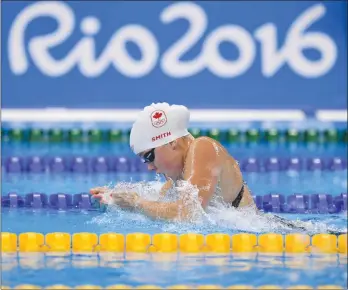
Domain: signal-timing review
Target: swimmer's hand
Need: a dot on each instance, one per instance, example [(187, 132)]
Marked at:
[(98, 192), (128, 200)]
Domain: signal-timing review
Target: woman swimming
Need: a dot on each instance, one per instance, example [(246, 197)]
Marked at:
[(160, 137)]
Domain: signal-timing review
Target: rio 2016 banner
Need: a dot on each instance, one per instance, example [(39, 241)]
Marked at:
[(254, 55)]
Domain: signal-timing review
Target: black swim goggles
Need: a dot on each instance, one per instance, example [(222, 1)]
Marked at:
[(149, 156)]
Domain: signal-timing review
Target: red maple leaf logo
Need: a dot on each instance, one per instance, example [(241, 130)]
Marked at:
[(157, 115)]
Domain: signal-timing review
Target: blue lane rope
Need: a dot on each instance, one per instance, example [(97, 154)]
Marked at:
[(277, 203), (125, 164)]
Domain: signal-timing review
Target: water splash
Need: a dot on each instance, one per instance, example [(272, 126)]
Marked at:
[(218, 217)]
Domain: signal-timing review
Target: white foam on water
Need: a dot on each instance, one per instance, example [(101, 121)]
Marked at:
[(218, 217)]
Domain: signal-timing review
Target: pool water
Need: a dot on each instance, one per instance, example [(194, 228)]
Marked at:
[(163, 270)]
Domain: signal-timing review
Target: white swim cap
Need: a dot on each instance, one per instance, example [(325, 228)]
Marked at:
[(157, 125)]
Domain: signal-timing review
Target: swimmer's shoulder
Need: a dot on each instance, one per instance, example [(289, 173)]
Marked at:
[(206, 147), (205, 141), (208, 143), (202, 159)]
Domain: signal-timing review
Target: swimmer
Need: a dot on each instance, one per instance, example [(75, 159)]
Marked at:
[(161, 138)]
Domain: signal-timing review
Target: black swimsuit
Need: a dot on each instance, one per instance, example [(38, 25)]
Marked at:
[(239, 197)]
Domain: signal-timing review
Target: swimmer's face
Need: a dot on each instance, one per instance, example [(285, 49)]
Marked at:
[(166, 160)]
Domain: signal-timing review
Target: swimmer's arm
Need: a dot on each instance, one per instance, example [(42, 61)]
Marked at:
[(203, 169), (163, 210), (166, 187)]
